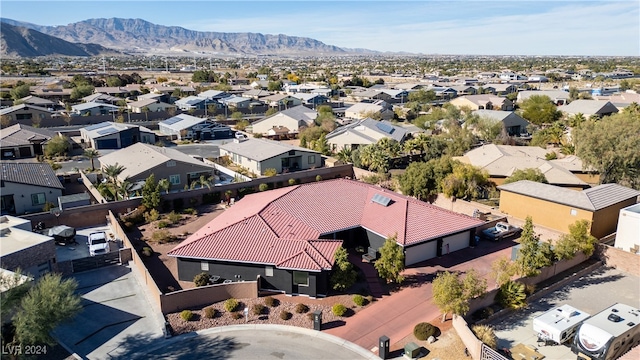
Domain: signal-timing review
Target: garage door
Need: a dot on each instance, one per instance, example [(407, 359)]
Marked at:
[(421, 252), (25, 152), (107, 144), (455, 242)]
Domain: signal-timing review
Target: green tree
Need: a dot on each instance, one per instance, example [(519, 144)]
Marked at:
[(270, 112), (452, 294), (112, 172), (424, 180), (578, 239), (391, 262), (164, 184), (465, 182), (20, 92), (81, 91), (539, 109), (530, 257), (502, 270), (608, 147), (489, 129), (150, 193), (123, 189), (49, 303), (202, 181), (114, 81), (527, 174), (344, 275), (15, 286), (57, 146), (92, 154), (322, 146)]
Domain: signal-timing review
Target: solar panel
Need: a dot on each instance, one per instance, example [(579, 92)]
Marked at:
[(107, 131), (385, 127), (381, 199), (97, 126), (171, 121)]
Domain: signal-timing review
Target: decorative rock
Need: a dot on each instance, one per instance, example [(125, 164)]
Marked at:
[(431, 340)]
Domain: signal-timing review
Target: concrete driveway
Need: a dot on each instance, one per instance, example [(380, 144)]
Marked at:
[(116, 319), (591, 293)]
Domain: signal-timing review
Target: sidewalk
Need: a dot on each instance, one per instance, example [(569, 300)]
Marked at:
[(371, 275)]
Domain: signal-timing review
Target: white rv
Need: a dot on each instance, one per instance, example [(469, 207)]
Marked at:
[(608, 334), (558, 324)]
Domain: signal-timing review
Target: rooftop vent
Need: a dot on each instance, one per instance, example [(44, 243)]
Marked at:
[(5, 232)]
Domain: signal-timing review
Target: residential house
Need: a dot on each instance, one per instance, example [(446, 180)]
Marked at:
[(40, 102), (93, 108), (558, 97), (23, 141), (112, 135), (512, 123), (159, 97), (255, 94), (287, 236), (557, 208), (141, 160), (260, 84), (364, 132), (185, 126), (363, 110), (510, 76), (501, 161), (500, 89), (621, 100), (628, 230), (258, 155), (577, 168), (102, 98), (462, 90), (191, 103), (313, 100), (115, 91), (236, 102), (483, 102), (34, 254), (589, 108), (151, 105), (292, 119), (53, 94), (281, 101), (239, 81), (443, 92), (27, 187), (26, 114), (214, 95)]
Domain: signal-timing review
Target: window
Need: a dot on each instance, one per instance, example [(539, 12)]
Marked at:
[(300, 278), (171, 163), (38, 199), (268, 271), (174, 179), (292, 152), (312, 159), (204, 266), (574, 212)]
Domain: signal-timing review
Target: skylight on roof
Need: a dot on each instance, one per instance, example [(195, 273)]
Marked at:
[(173, 120), (381, 199)]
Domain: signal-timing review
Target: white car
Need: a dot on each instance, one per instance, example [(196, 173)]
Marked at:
[(98, 243)]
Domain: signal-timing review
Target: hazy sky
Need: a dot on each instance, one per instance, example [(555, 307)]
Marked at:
[(515, 27)]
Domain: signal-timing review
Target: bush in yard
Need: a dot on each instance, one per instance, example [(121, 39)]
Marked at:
[(263, 187), (485, 334), (152, 215), (186, 315), (202, 279), (338, 309), (285, 315), (237, 316), (270, 301), (210, 313), (173, 217), (162, 236), (422, 331), (147, 251), (190, 211), (231, 305), (301, 308), (359, 300), (512, 295), (258, 309), (162, 224)]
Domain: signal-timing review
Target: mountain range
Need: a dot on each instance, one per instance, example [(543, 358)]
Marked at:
[(143, 37)]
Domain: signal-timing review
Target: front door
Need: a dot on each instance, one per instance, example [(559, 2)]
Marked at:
[(8, 205)]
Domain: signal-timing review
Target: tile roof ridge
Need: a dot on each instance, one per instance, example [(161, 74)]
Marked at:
[(310, 243), (302, 252)]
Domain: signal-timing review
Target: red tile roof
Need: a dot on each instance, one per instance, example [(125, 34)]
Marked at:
[(274, 227)]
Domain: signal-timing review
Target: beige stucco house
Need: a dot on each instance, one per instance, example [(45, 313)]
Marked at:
[(258, 155), (289, 121)]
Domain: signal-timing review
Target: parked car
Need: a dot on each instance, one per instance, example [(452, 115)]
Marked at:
[(98, 243), (500, 231)]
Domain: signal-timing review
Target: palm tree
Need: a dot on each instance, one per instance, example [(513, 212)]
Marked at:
[(344, 154), (106, 190), (164, 184), (112, 172), (145, 110), (202, 181), (124, 189), (379, 161), (91, 154)]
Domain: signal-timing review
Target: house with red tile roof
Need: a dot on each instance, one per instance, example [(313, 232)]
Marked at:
[(288, 236)]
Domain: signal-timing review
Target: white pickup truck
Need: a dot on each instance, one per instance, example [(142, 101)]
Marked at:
[(500, 231)]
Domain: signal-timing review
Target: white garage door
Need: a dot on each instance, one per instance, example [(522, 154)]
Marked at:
[(421, 252), (455, 242)]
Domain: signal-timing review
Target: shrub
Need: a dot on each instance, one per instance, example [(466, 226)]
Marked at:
[(483, 313), (512, 295), (162, 224), (359, 300), (338, 310), (270, 172), (422, 331), (485, 334), (231, 305), (186, 315), (190, 211), (174, 217), (162, 236), (263, 187), (201, 279), (292, 181), (258, 309), (285, 315), (258, 136), (237, 315), (301, 308), (270, 301), (151, 216), (210, 313), (318, 178), (147, 251)]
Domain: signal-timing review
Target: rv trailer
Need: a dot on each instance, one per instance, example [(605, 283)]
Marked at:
[(608, 334), (559, 324)]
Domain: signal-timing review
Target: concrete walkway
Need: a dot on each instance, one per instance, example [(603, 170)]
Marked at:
[(370, 273), (396, 315)]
